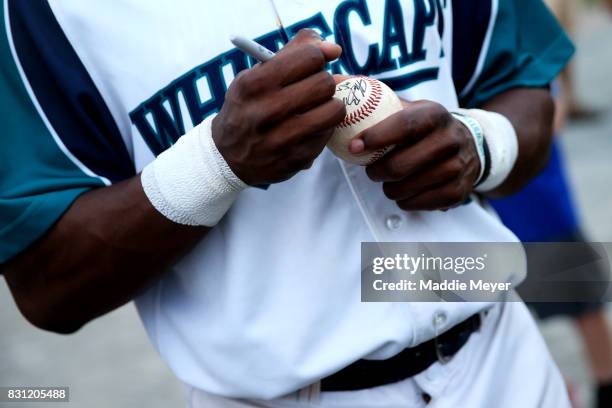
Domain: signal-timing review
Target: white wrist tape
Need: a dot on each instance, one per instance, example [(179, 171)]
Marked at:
[(502, 143), (191, 183)]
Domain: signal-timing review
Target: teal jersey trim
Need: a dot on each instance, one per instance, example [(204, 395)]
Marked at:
[(528, 48), (38, 181)]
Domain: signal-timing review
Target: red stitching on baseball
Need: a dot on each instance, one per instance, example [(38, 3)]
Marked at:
[(376, 155), (367, 108)]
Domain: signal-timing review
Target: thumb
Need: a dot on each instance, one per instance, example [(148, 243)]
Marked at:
[(340, 78)]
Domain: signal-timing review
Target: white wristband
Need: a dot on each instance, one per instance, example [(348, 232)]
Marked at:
[(502, 143), (191, 183), (478, 134)]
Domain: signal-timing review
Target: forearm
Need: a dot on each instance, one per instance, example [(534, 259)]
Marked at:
[(114, 242), (109, 246), (531, 112)]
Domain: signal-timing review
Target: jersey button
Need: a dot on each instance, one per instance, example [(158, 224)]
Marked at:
[(439, 320), (393, 222)]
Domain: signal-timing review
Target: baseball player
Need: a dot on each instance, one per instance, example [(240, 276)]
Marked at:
[(147, 158)]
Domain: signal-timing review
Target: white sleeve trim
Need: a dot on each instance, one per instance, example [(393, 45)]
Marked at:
[(484, 51), (39, 109)]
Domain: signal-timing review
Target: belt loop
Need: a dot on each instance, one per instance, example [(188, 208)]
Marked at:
[(442, 358), (439, 320), (483, 315), (310, 394)]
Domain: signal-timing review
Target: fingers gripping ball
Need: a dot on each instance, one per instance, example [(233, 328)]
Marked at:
[(368, 101)]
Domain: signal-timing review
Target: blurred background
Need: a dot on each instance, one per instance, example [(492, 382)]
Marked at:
[(110, 362)]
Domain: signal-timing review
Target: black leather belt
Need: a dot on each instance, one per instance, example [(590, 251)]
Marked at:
[(373, 373)]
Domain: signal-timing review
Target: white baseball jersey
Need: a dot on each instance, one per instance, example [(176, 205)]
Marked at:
[(269, 300)]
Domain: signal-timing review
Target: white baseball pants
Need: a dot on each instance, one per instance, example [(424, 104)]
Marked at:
[(504, 365)]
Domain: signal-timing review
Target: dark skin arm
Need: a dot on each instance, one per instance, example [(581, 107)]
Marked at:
[(112, 244), (435, 164), (109, 246), (532, 113)]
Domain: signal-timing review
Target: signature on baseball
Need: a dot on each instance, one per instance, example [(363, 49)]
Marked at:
[(357, 91)]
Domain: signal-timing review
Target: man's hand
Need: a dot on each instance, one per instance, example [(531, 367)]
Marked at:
[(278, 116), (276, 121), (434, 164)]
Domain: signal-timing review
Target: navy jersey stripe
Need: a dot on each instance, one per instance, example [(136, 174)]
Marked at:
[(470, 23), (66, 92)]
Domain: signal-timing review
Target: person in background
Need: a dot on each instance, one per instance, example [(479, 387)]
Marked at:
[(555, 219)]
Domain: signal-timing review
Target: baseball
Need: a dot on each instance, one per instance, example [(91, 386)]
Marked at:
[(368, 101)]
